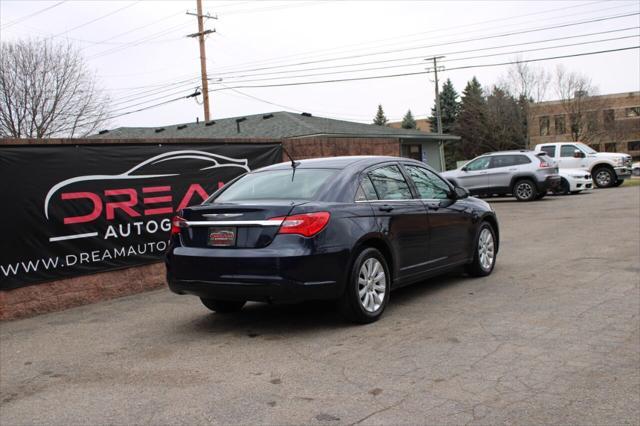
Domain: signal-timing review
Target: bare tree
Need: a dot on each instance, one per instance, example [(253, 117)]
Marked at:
[(525, 81), (579, 100), (47, 90), (527, 84)]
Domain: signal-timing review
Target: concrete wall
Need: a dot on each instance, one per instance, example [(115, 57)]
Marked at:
[(76, 291)]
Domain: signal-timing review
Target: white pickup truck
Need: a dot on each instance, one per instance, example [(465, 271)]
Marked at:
[(607, 168)]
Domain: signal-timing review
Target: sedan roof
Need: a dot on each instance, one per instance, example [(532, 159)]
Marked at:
[(335, 162)]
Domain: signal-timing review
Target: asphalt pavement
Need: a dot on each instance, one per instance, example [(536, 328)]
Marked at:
[(552, 336)]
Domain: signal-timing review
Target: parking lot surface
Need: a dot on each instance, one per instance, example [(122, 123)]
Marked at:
[(552, 336)]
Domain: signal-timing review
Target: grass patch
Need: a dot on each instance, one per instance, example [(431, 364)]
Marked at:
[(631, 182)]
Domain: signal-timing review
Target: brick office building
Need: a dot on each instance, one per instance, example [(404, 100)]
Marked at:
[(613, 123)]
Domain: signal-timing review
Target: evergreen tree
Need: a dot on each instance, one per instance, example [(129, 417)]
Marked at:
[(506, 122), (449, 108), (380, 119), (408, 122), (472, 123)]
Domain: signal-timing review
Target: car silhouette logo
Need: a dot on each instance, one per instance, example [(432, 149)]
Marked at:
[(212, 161)]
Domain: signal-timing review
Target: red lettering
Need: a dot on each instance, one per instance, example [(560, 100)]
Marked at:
[(157, 200), (95, 213), (193, 189), (125, 206), (220, 184)]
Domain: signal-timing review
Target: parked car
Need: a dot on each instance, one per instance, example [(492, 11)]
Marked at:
[(635, 169), (526, 175), (606, 168), (573, 181), (344, 228)]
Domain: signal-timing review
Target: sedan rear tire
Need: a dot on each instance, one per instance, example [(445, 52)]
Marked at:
[(367, 292), (223, 306)]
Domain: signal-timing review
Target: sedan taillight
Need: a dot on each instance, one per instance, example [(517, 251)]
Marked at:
[(307, 225), (177, 223)]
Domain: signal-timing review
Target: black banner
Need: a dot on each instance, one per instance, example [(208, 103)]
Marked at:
[(71, 210)]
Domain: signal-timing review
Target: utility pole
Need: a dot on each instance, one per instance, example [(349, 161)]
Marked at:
[(438, 113), (203, 54)]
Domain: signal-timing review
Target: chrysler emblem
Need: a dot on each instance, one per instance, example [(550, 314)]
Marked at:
[(216, 215)]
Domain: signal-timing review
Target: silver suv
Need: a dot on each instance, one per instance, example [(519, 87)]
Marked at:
[(527, 175)]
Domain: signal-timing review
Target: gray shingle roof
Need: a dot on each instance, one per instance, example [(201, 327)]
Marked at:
[(276, 125)]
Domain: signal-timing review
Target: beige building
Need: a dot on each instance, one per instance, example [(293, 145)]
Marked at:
[(608, 123), (422, 124)]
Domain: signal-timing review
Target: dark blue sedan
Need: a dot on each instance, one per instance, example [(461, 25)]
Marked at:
[(344, 228)]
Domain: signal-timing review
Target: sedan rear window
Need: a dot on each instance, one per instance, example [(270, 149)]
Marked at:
[(301, 184)]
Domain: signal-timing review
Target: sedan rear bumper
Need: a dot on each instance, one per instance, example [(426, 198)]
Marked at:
[(267, 274)]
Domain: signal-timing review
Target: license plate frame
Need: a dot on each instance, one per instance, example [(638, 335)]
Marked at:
[(222, 236)]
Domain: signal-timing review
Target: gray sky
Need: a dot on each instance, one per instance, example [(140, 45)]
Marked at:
[(141, 56)]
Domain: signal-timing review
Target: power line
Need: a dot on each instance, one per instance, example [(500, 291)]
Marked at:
[(422, 56), (162, 91), (97, 19), (303, 83), (235, 88), (422, 63), (85, 123), (494, 36), (107, 40), (465, 27), (142, 40), (38, 12)]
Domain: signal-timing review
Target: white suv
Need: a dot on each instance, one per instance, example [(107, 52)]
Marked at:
[(527, 175)]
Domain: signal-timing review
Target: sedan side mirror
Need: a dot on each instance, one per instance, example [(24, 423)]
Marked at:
[(460, 193), (464, 169), (578, 154)]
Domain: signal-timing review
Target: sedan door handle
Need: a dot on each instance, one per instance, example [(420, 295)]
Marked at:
[(385, 208), (433, 206)]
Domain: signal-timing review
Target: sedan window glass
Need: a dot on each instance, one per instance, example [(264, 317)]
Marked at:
[(366, 191), (390, 184), (277, 185), (479, 164), (429, 185), (567, 150)]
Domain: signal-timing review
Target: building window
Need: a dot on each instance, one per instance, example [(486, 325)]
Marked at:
[(632, 112), (544, 126), (610, 147), (609, 118), (633, 146), (592, 120), (561, 125), (413, 151), (575, 123)]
